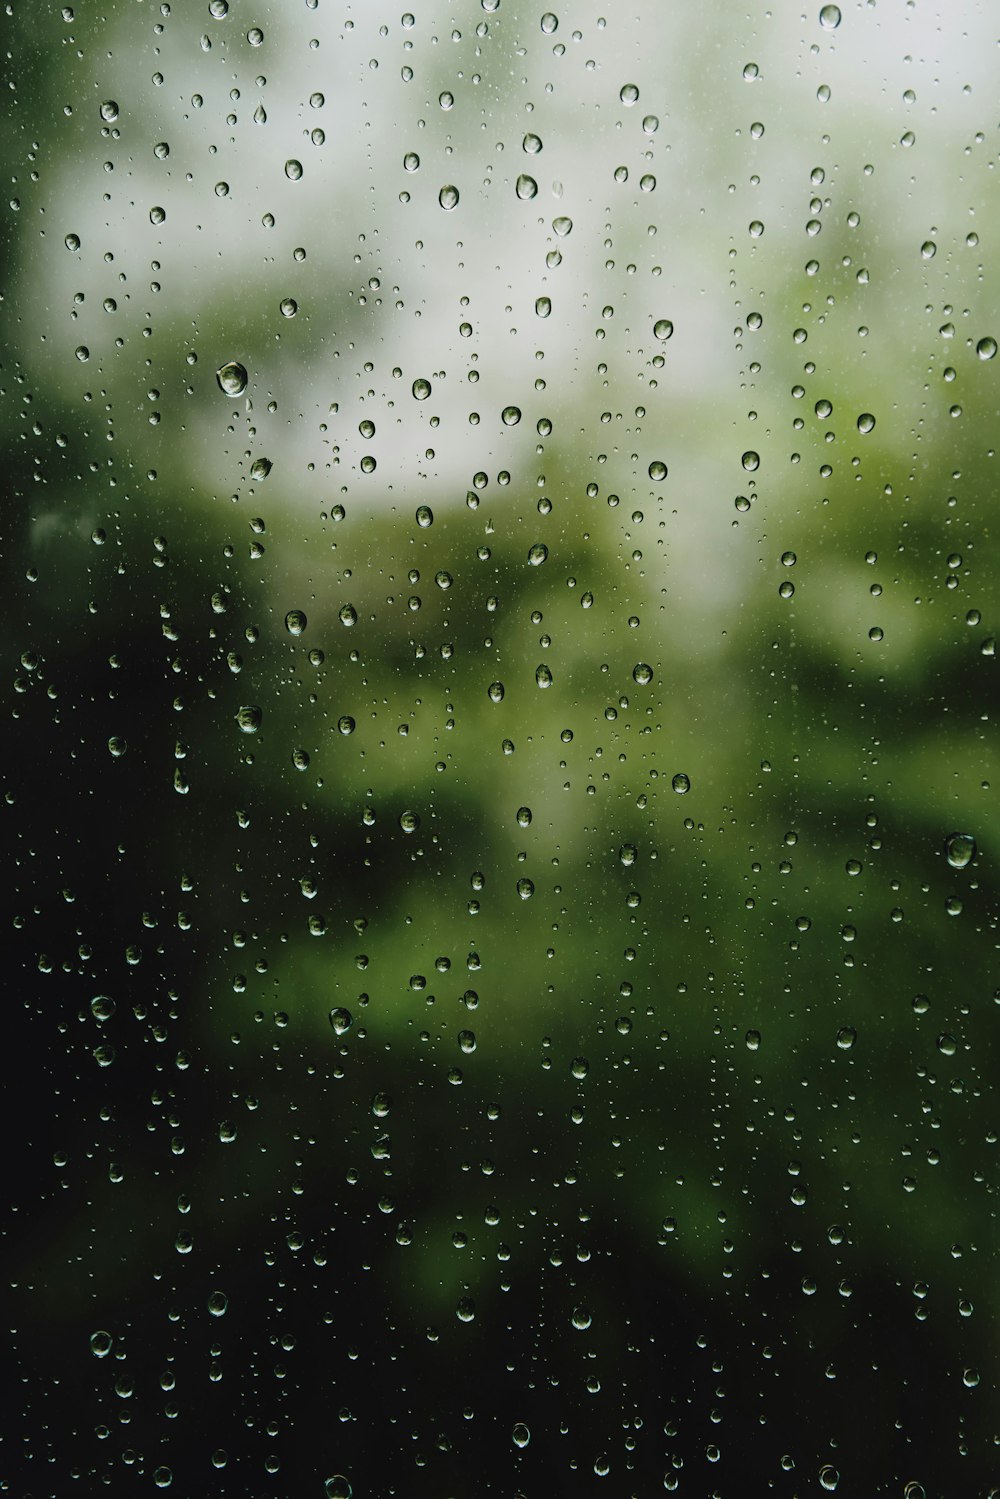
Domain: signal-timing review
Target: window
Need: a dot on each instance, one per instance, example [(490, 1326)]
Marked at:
[(498, 790)]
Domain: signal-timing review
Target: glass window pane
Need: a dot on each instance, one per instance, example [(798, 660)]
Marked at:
[(499, 769)]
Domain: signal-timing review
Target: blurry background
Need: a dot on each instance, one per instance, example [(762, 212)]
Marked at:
[(498, 817)]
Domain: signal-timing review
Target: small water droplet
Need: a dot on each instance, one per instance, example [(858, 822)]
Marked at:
[(543, 306)]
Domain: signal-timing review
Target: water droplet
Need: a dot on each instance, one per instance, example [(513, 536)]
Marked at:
[(866, 423), (562, 225), (753, 1040), (663, 329), (524, 817), (526, 187), (549, 23), (642, 674), (232, 378), (73, 244), (249, 719), (846, 1037), (102, 1008), (421, 389), (629, 94), (337, 1487), (829, 17), (853, 866), (750, 461), (293, 169), (947, 1045), (543, 306), (288, 307), (411, 161), (425, 516), (448, 197), (117, 746), (295, 621), (341, 1020), (259, 469), (581, 1318), (579, 1068), (217, 1303), (532, 144), (345, 725), (495, 692), (657, 471), (521, 1436), (543, 675), (466, 1309), (650, 124), (828, 1476), (928, 249), (986, 347), (348, 615), (960, 849), (511, 415), (409, 822), (681, 783), (100, 1344), (537, 554), (627, 854), (109, 110), (255, 36), (157, 215)]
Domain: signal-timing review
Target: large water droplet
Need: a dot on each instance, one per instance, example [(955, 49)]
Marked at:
[(511, 415), (421, 389), (829, 17), (448, 197), (232, 378), (526, 187), (986, 347), (249, 719), (960, 849), (341, 1020), (295, 621)]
